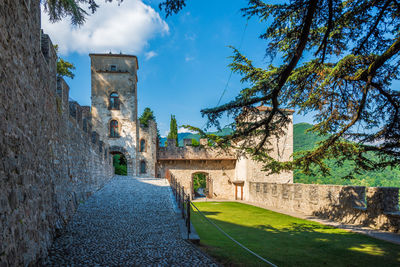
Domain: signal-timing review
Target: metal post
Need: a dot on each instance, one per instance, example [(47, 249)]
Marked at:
[(183, 203), (188, 216), (178, 196)]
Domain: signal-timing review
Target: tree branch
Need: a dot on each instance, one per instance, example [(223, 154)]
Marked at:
[(324, 42), (371, 31)]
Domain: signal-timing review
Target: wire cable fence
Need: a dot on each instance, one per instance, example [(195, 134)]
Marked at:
[(183, 201), (184, 204)]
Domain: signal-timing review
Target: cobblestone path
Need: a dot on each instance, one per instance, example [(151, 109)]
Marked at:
[(130, 221)]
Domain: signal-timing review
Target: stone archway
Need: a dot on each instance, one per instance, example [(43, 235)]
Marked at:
[(120, 163), (120, 150), (201, 185)]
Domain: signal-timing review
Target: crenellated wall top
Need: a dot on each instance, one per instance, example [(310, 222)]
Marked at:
[(189, 152)]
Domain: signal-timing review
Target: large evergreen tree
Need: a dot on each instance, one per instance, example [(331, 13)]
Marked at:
[(339, 59), (173, 130), (59, 9), (146, 116)]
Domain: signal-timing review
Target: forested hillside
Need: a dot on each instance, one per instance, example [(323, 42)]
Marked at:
[(304, 141), (182, 136)]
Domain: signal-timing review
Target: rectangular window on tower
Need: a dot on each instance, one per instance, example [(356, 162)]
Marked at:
[(113, 68)]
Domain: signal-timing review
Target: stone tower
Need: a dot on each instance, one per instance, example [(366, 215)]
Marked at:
[(115, 112), (114, 104)]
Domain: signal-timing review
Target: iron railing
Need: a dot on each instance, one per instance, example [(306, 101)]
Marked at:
[(183, 202)]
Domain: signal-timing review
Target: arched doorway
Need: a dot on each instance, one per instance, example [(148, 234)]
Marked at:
[(120, 163), (201, 185), (121, 160)]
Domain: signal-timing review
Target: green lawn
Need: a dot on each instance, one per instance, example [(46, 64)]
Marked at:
[(285, 240)]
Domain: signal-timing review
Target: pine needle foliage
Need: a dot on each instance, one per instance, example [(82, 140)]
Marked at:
[(337, 59), (59, 9), (146, 116)]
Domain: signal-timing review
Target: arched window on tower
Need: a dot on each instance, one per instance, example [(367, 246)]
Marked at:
[(142, 166), (114, 129), (142, 145), (114, 101)]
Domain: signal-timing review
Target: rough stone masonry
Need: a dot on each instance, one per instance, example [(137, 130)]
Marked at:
[(50, 159)]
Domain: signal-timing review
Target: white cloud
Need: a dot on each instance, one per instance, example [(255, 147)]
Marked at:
[(184, 130), (150, 54), (188, 58), (127, 27)]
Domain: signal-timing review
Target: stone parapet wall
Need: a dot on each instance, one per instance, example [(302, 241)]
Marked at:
[(202, 152), (49, 162), (375, 207)]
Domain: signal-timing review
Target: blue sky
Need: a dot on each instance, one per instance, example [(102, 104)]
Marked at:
[(183, 59)]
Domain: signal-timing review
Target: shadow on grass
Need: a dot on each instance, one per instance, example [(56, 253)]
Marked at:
[(286, 241)]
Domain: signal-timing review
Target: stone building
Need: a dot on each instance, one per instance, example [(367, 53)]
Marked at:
[(114, 112), (228, 173), (114, 117)]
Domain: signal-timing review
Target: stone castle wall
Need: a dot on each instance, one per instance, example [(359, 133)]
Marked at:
[(149, 153), (50, 159), (221, 173), (182, 162), (281, 149), (202, 152), (375, 207)]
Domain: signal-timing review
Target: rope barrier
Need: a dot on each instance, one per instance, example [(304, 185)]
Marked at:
[(231, 238)]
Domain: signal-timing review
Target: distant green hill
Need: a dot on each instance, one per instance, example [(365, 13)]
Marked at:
[(305, 141), (181, 136), (302, 140)]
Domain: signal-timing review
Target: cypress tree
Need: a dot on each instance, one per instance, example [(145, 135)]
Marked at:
[(173, 130)]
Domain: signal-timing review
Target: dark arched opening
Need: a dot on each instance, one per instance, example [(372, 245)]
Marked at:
[(114, 101), (114, 131), (120, 163), (143, 169), (200, 185), (142, 145)]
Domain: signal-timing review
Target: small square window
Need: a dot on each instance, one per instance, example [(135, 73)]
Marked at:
[(113, 68)]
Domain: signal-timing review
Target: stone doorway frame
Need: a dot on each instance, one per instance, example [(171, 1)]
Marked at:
[(209, 184), (239, 184), (129, 162)]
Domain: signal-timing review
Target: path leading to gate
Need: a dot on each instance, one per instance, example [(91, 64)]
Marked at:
[(130, 221)]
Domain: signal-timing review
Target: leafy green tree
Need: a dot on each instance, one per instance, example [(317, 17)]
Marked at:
[(173, 130), (199, 181), (146, 116), (120, 164), (195, 142), (304, 140), (338, 59), (64, 68)]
